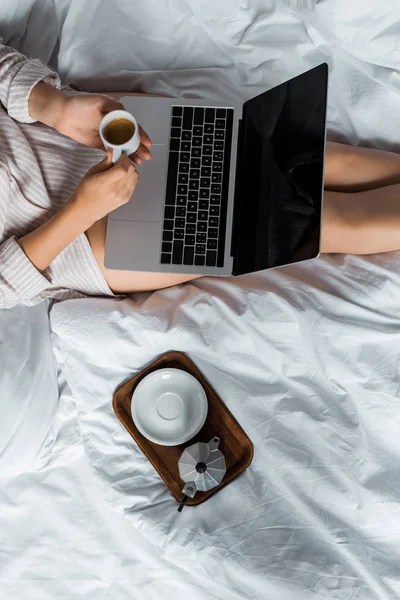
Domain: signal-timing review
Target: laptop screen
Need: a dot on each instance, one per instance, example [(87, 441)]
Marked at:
[(278, 203)]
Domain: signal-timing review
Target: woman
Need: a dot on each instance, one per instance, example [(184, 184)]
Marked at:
[(56, 187)]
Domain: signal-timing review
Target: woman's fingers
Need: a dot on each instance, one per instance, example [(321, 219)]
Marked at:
[(142, 153), (144, 138)]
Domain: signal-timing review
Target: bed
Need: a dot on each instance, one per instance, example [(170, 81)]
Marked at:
[(305, 357)]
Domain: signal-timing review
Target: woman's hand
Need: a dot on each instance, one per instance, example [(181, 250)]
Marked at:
[(79, 116), (104, 188)]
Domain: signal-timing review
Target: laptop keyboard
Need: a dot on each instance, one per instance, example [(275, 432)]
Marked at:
[(197, 186)]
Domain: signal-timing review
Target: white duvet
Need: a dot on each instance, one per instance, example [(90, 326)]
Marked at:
[(306, 358)]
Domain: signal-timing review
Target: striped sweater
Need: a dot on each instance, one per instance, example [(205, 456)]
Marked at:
[(39, 170)]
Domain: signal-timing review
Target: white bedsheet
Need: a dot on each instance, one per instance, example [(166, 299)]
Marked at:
[(306, 358)]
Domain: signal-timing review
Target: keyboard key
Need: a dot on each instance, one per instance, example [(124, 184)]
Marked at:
[(203, 205), (211, 258), (182, 189), (203, 215), (169, 212), (206, 161), (198, 116), (190, 228), (177, 253), (166, 247), (196, 152), (218, 156), (193, 184), (189, 240), (185, 157), (205, 171), (174, 144), (166, 259), (172, 177), (214, 211), (202, 226), (212, 245), (197, 130), (218, 145), (181, 200), (197, 141), (215, 199), (179, 234), (204, 193), (192, 207), (167, 236), (200, 249), (184, 167), (180, 211), (207, 150), (175, 132), (188, 255), (215, 188), (216, 177), (179, 222), (201, 238), (176, 122), (187, 117), (210, 115), (213, 233), (205, 182), (208, 139), (186, 135), (221, 113), (177, 111), (184, 178), (168, 225), (193, 195), (217, 167), (219, 134), (194, 173), (199, 261), (209, 128), (213, 222), (185, 146), (195, 163), (191, 217), (220, 124)]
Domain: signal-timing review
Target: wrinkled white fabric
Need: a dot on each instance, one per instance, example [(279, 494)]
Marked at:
[(306, 358)]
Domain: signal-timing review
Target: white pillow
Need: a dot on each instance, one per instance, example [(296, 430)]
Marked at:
[(28, 386)]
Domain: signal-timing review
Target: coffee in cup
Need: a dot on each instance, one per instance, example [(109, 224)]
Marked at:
[(120, 132)]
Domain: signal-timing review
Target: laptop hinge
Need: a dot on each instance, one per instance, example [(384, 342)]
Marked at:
[(238, 192)]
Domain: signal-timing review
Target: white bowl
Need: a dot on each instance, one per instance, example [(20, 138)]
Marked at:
[(169, 407)]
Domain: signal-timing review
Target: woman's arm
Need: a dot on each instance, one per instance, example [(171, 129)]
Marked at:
[(104, 188), (18, 76)]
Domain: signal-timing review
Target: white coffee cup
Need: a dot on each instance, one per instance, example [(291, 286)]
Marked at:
[(128, 147)]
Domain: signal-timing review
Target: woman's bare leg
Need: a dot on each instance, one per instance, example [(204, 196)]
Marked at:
[(354, 169), (126, 282), (362, 222), (366, 219)]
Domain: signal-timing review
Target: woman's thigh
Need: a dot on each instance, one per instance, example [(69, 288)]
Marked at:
[(125, 282)]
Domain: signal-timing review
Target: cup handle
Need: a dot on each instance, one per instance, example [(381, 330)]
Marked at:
[(116, 154)]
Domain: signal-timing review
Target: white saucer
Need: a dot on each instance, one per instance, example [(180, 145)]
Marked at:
[(169, 407)]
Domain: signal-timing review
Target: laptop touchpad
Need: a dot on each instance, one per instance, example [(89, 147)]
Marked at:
[(147, 202)]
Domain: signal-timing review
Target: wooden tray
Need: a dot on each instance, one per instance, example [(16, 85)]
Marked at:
[(235, 444)]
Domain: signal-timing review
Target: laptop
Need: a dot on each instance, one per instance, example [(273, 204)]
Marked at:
[(230, 189)]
